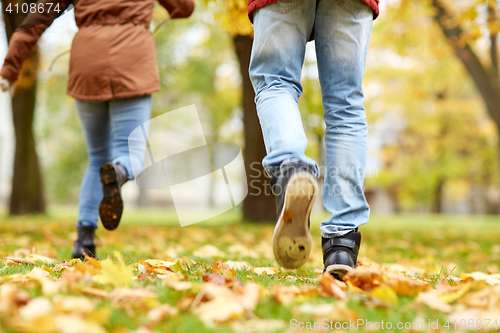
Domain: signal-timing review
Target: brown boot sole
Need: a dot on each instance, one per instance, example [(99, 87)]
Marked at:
[(111, 207), (291, 239)]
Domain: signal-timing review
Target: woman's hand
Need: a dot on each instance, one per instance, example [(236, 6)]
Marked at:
[(6, 85)]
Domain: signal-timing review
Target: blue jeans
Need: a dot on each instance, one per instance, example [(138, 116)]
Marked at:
[(342, 31), (107, 126)]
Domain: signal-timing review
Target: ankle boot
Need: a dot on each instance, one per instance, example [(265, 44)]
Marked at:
[(85, 242), (113, 176), (340, 254)]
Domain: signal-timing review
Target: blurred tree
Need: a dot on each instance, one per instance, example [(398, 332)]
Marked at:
[(464, 28), (258, 205), (60, 133), (27, 190), (437, 139)]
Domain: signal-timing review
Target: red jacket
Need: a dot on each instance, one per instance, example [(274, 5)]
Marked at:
[(256, 4)]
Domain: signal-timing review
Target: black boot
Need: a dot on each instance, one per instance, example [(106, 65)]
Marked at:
[(340, 254), (294, 188), (85, 242), (113, 176)]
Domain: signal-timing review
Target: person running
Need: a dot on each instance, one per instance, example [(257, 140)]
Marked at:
[(341, 29), (112, 74)]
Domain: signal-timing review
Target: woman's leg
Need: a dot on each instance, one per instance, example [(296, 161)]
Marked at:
[(128, 154), (96, 125), (126, 115)]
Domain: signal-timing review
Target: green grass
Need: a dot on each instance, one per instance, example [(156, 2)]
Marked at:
[(435, 247)]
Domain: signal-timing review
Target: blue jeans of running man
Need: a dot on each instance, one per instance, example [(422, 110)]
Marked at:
[(107, 126), (342, 31)]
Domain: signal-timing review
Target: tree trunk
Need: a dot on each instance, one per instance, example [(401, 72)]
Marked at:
[(27, 190), (493, 17), (258, 206), (437, 204)]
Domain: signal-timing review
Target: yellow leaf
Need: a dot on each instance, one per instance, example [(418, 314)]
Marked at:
[(492, 280), (233, 17), (134, 298), (223, 270), (385, 294), (224, 304), (453, 296), (116, 274), (353, 289)]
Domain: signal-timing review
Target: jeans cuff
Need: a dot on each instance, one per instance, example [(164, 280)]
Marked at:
[(86, 224), (336, 234), (272, 169)]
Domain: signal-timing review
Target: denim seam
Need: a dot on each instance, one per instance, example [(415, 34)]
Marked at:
[(352, 11), (283, 10)]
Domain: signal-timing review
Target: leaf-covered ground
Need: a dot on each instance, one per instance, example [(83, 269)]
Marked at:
[(417, 273)]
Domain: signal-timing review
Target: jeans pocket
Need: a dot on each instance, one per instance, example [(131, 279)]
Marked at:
[(357, 8), (284, 6)]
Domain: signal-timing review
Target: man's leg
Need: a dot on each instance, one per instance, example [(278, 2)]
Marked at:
[(342, 32), (281, 33)]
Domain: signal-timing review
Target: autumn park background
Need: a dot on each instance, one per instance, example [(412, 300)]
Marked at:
[(430, 252)]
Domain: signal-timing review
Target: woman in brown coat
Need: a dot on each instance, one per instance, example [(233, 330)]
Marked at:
[(112, 74)]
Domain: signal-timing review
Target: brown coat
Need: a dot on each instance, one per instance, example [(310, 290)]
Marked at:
[(113, 54)]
